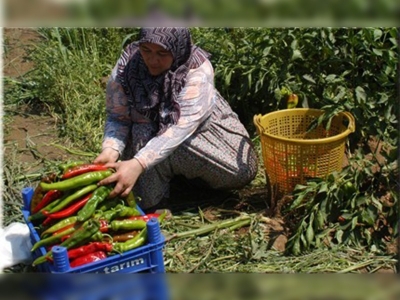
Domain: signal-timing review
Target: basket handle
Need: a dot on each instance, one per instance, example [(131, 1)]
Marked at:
[(257, 123), (352, 122)]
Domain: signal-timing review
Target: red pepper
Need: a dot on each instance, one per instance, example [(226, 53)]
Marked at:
[(145, 217), (85, 168), (47, 198), (48, 220), (88, 258), (104, 225), (89, 248), (70, 210)]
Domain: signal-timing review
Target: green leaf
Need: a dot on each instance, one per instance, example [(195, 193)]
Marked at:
[(266, 51), (304, 241), (345, 225), (367, 235), (319, 220), (339, 235), (354, 222), (377, 52), (323, 188), (377, 203), (330, 77), (309, 78), (360, 94), (310, 230), (377, 34), (296, 249), (367, 218), (296, 55), (228, 78), (298, 200), (294, 44), (361, 199)]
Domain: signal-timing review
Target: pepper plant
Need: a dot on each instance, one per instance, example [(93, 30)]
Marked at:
[(355, 207)]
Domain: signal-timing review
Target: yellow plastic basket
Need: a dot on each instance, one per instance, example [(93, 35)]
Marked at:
[(291, 155)]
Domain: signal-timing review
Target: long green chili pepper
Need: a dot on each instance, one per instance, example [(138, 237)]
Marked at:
[(61, 224), (110, 203), (66, 166), (119, 211), (71, 198), (78, 237), (42, 213), (52, 240), (110, 214), (127, 224), (99, 195), (84, 233), (137, 241), (77, 181), (125, 211), (96, 237), (130, 199)]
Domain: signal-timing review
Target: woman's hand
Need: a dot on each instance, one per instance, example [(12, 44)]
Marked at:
[(108, 155), (126, 174)]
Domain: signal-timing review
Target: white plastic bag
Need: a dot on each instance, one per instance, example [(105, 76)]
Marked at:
[(15, 245)]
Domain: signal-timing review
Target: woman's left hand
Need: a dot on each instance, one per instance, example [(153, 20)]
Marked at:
[(125, 176)]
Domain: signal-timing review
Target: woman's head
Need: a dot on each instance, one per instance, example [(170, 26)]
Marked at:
[(164, 48), (153, 72)]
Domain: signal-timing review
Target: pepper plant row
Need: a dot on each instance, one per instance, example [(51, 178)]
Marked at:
[(69, 209)]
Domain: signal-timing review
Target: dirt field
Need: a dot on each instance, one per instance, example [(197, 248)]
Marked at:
[(27, 126)]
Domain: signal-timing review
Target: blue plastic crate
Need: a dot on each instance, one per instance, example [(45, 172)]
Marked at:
[(145, 259)]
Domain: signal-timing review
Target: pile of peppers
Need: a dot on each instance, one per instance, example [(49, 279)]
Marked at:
[(68, 209)]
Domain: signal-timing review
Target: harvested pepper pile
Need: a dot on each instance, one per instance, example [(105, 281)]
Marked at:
[(69, 209)]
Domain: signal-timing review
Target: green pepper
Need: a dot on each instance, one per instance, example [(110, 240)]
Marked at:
[(127, 224), (110, 214), (130, 199), (125, 211), (78, 237), (110, 203), (136, 242), (84, 233), (77, 181), (72, 197), (66, 166), (96, 237), (42, 213), (52, 240), (59, 225), (99, 195)]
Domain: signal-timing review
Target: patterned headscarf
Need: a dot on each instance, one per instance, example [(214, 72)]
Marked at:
[(156, 96)]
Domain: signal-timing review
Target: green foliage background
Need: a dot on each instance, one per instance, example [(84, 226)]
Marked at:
[(352, 69)]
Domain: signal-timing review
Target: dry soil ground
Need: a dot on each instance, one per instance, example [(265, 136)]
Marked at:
[(29, 129)]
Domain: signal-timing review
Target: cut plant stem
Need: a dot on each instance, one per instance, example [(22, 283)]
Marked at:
[(243, 220), (29, 176), (186, 224), (239, 225)]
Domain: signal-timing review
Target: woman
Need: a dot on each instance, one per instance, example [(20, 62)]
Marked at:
[(165, 118)]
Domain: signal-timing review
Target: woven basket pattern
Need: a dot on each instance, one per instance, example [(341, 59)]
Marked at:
[(292, 154)]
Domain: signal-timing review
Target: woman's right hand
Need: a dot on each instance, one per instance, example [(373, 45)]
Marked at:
[(108, 155)]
